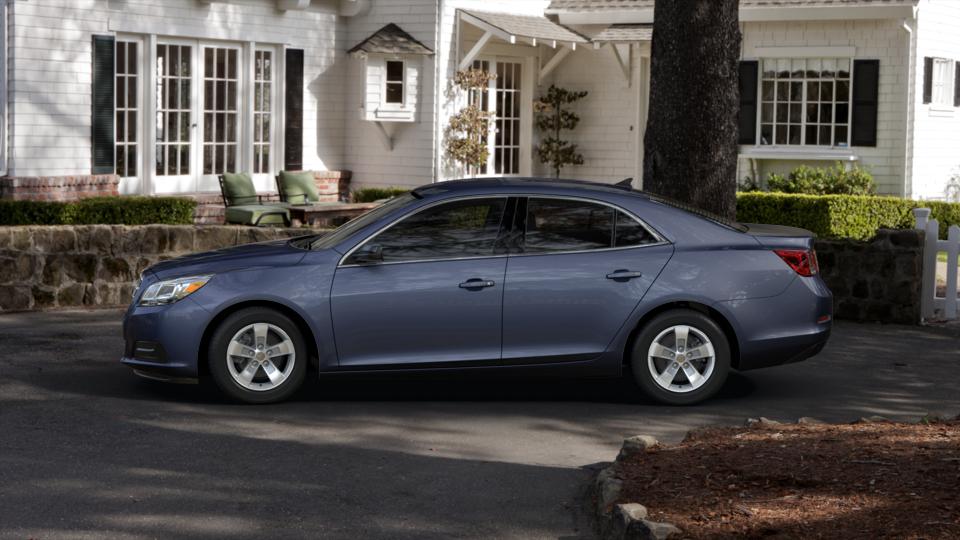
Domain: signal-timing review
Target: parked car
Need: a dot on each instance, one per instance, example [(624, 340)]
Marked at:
[(527, 276)]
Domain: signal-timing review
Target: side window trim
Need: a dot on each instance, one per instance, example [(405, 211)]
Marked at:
[(521, 217), (507, 198)]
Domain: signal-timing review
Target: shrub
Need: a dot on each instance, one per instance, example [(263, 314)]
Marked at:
[(100, 210), (836, 180), (841, 216), (375, 194)]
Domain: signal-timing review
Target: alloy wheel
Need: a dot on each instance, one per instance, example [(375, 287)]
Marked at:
[(681, 359), (260, 357)]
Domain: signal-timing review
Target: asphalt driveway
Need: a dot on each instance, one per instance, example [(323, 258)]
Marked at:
[(87, 450)]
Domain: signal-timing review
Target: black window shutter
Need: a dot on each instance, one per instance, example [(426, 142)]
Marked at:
[(749, 70), (956, 84), (866, 81), (102, 82), (293, 133), (927, 79)]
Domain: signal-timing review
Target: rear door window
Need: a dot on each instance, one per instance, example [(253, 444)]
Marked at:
[(554, 225)]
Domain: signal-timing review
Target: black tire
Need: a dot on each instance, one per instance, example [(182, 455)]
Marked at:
[(688, 317), (217, 356)]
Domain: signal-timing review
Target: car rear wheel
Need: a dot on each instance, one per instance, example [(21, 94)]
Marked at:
[(681, 357), (257, 355)]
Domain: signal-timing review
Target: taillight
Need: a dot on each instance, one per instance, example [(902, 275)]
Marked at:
[(803, 262)]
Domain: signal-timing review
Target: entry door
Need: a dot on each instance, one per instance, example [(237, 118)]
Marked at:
[(198, 114), (175, 165), (426, 291), (509, 137), (583, 269)]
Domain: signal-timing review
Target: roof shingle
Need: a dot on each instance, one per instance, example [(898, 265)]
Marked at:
[(528, 26), (391, 39)]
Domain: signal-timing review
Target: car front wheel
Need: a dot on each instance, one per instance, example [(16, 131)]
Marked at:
[(257, 355), (681, 357)]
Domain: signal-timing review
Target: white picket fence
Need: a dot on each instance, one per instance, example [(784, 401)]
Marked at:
[(931, 305)]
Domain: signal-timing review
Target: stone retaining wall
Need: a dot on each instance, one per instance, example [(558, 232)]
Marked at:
[(58, 188), (96, 265), (876, 280)]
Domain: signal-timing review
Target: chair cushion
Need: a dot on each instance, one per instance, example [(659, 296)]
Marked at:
[(238, 189), (248, 214), (298, 187)]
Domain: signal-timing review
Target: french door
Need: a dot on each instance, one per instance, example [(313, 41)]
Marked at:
[(214, 111), (508, 99)]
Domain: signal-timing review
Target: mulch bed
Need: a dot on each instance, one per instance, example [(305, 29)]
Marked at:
[(863, 480)]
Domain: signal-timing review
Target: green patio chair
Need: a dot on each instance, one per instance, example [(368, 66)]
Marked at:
[(297, 187), (245, 207)]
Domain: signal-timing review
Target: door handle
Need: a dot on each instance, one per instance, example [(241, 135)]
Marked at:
[(624, 275), (477, 283)]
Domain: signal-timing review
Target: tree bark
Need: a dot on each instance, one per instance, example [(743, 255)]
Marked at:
[(690, 146)]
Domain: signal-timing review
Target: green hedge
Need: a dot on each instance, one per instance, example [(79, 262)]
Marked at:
[(100, 210), (375, 194), (840, 216)]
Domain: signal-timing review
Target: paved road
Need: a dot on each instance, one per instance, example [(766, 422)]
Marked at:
[(87, 450)]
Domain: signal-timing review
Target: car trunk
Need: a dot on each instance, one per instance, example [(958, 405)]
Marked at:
[(780, 236)]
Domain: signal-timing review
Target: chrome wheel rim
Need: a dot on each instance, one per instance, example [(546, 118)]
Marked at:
[(260, 357), (681, 359)]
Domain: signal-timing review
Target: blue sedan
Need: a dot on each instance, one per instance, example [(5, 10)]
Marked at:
[(533, 277)]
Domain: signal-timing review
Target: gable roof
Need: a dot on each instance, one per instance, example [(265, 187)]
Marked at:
[(526, 26), (557, 6), (624, 33), (391, 39)]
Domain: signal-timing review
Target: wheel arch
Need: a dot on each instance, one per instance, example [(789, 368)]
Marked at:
[(203, 368), (722, 321)]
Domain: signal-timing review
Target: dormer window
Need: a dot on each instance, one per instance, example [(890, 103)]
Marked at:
[(394, 81), (392, 69)]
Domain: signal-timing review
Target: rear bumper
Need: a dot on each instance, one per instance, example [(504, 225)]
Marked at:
[(783, 329)]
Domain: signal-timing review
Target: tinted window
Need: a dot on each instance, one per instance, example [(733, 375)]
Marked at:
[(344, 231), (564, 225), (629, 232), (458, 229)]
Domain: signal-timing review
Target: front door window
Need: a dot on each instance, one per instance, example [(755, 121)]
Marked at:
[(454, 230)]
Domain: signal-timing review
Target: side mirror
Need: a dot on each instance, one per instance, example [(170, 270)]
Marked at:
[(372, 254)]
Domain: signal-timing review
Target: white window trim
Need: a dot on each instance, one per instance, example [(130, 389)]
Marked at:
[(384, 104), (941, 98), (146, 115), (813, 148)]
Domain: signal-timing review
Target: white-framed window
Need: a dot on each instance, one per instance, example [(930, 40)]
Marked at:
[(187, 110), (503, 100), (805, 102), (943, 80), (394, 82), (127, 108)]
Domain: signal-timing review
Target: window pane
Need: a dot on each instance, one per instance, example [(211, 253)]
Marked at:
[(560, 225), (629, 232), (795, 134), (394, 92), (768, 91), (841, 136), (452, 230), (394, 71), (766, 134), (766, 114), (811, 135)]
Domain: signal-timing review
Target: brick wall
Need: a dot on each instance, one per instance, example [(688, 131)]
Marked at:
[(58, 188)]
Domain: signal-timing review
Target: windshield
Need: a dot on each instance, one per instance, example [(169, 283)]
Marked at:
[(729, 223), (344, 231)]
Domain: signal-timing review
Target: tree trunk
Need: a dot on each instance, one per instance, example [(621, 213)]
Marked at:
[(690, 146)]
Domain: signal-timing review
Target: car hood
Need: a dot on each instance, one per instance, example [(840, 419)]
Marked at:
[(272, 253)]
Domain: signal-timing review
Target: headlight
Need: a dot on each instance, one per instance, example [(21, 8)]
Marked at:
[(172, 290)]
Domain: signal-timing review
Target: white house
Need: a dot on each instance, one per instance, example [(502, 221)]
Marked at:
[(167, 95)]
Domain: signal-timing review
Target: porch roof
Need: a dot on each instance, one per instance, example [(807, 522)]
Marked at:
[(533, 28), (557, 6), (624, 33), (391, 39)]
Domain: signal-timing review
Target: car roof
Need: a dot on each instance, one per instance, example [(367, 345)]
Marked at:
[(524, 183)]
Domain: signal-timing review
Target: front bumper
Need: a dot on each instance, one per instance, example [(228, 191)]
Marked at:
[(163, 342)]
